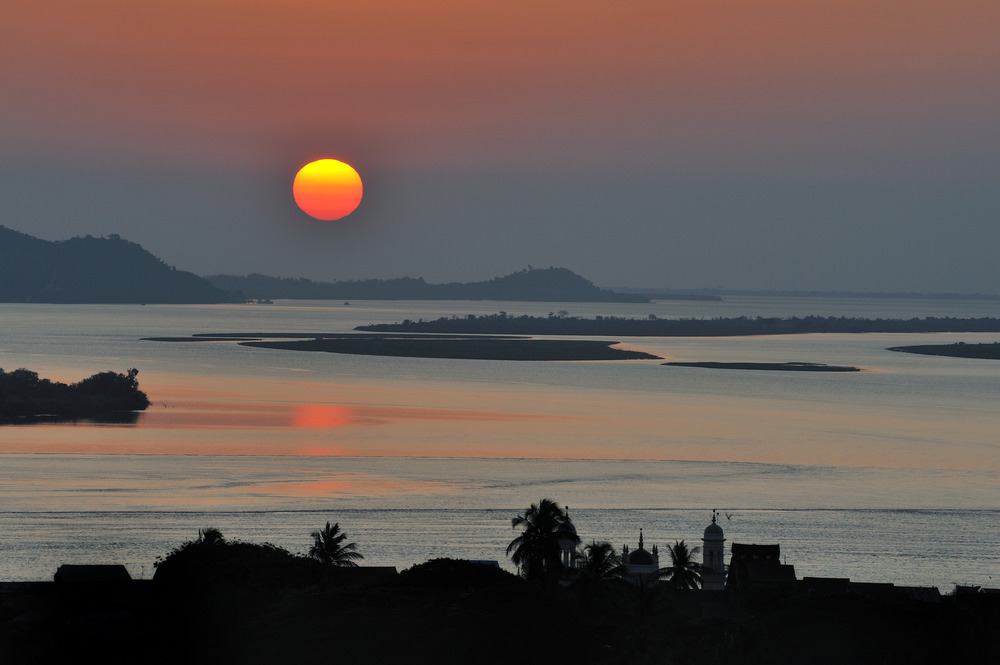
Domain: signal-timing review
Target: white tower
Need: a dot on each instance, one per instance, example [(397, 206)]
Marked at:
[(567, 545), (713, 553)]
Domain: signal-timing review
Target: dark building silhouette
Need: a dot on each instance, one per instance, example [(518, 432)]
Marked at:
[(92, 574), (713, 554), (758, 565), (640, 564)]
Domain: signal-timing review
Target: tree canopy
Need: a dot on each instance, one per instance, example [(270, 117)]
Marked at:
[(329, 547), (683, 571), (23, 395), (537, 550), (601, 561)]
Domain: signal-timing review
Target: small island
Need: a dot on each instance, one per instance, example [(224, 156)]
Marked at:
[(107, 396), (959, 350), (769, 367)]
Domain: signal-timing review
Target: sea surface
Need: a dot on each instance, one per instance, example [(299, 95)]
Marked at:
[(885, 475)]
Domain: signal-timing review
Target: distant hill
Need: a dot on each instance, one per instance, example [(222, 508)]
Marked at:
[(93, 270), (538, 285)]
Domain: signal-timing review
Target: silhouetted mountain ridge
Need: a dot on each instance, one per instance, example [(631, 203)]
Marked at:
[(93, 270), (536, 284)]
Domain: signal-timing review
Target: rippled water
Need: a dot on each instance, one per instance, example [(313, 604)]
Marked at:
[(885, 475)]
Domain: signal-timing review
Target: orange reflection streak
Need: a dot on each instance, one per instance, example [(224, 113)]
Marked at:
[(322, 451), (187, 415), (354, 484), (322, 416), (225, 416)]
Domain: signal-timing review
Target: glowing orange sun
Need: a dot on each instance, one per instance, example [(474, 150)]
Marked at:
[(327, 189)]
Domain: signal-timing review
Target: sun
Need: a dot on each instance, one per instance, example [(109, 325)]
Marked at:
[(327, 189)]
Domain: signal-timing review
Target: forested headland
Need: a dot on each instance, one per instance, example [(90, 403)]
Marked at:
[(94, 270)]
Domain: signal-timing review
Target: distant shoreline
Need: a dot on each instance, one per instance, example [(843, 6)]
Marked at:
[(502, 324)]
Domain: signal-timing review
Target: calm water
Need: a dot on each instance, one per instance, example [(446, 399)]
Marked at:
[(885, 475)]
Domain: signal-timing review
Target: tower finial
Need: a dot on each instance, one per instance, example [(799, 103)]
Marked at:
[(640, 538)]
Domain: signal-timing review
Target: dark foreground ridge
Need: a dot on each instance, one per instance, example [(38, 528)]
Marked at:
[(213, 600), (959, 350), (107, 396), (536, 284), (503, 324), (770, 367), (425, 346)]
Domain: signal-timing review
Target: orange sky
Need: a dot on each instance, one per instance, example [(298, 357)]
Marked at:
[(796, 138), (473, 81)]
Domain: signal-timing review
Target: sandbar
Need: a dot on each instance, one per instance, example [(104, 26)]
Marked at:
[(469, 348), (466, 347), (960, 350), (769, 367)]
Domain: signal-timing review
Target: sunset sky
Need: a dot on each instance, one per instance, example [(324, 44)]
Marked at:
[(759, 144)]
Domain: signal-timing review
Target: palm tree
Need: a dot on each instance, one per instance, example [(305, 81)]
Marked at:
[(601, 562), (537, 551), (683, 570), (210, 536), (329, 547)]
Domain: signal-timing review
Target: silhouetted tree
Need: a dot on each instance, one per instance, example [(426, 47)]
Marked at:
[(601, 561), (537, 550), (212, 562), (118, 390), (210, 536), (23, 394), (329, 547), (643, 611), (682, 573)]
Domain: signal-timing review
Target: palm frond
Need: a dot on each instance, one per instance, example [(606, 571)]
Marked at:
[(329, 547)]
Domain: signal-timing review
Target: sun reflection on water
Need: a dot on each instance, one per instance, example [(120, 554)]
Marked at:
[(322, 416)]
